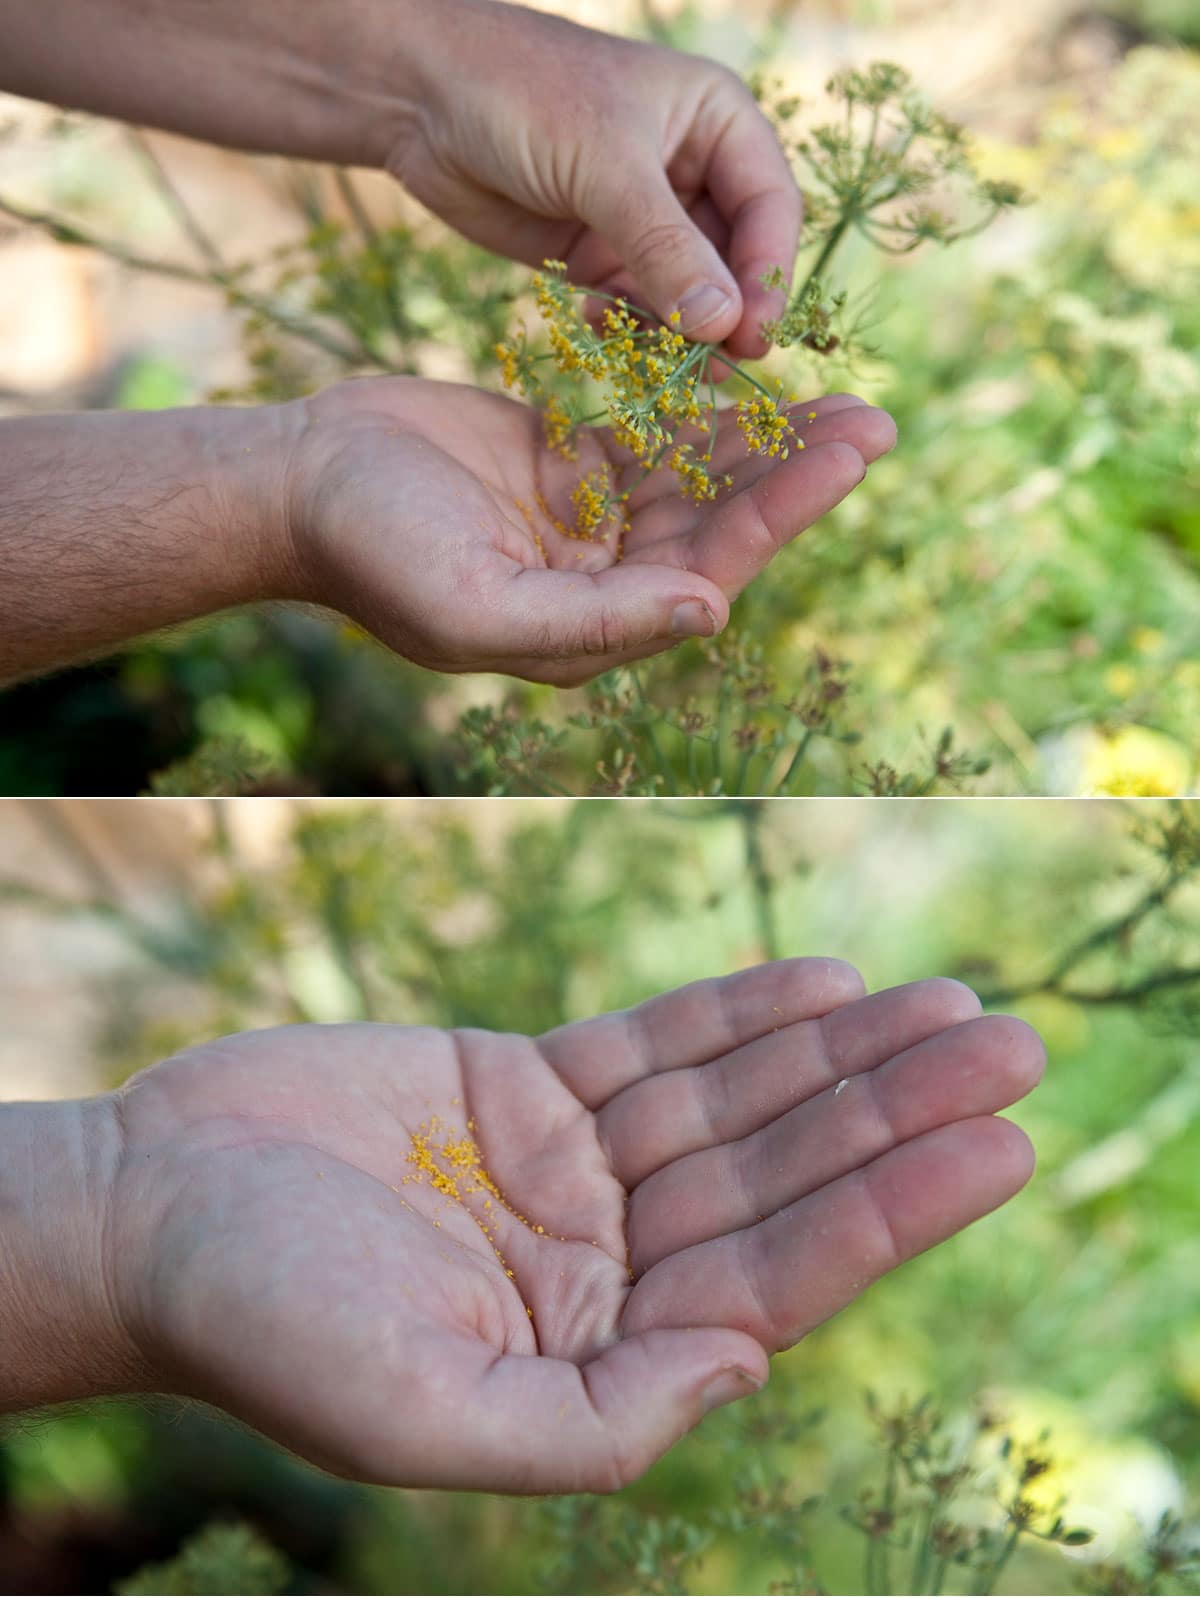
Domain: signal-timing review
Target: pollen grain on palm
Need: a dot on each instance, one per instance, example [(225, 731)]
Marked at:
[(448, 1160)]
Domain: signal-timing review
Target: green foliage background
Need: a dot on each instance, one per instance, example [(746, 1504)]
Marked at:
[(1076, 1307), (1023, 569)]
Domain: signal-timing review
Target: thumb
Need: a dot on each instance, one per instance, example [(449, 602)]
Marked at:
[(548, 1426), (563, 615), (677, 268)]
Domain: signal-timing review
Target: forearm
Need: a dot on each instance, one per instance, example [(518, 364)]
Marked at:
[(114, 524), (60, 1338), (327, 80)]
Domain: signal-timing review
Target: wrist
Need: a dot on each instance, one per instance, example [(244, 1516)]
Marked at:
[(338, 542), (248, 456), (358, 76), (61, 1336)]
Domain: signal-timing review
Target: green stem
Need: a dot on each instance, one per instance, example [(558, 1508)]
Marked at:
[(371, 238), (750, 378), (546, 786), (1107, 932), (652, 465), (739, 786), (689, 360), (175, 201), (659, 759), (613, 299), (785, 784), (872, 1581), (722, 734), (836, 233), (750, 815), (921, 1563), (992, 1575), (889, 1505), (869, 148)]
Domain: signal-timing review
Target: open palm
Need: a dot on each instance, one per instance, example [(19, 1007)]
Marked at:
[(428, 512), (672, 1194)]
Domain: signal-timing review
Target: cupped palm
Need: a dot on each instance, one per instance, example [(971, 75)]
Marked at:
[(680, 1190), (433, 514)]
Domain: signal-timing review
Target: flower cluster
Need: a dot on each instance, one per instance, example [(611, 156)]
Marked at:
[(765, 427), (871, 170), (595, 504), (652, 383), (696, 480), (874, 170)]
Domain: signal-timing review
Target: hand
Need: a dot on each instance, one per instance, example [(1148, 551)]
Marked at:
[(636, 164), (679, 1191), (649, 172), (426, 512)]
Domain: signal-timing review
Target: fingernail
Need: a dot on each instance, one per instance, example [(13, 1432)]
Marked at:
[(693, 619), (728, 1386), (702, 306)]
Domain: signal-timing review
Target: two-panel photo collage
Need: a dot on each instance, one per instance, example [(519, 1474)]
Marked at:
[(599, 839)]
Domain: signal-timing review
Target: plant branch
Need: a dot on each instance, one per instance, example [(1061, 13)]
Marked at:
[(1107, 933), (71, 233)]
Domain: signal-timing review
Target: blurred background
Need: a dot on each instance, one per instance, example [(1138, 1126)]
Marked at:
[(129, 931), (1020, 577)]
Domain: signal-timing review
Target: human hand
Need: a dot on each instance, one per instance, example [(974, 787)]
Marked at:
[(679, 1191), (427, 511), (650, 172)]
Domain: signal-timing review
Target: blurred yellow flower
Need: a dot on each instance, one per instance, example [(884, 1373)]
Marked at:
[(1112, 1484), (1120, 680), (1147, 640), (1137, 762)]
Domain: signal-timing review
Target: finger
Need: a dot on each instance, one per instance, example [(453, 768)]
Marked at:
[(521, 1423), (753, 186), (741, 536), (779, 1279), (728, 448), (576, 615), (693, 1024), (661, 1118), (676, 268), (974, 1069), (823, 421), (771, 502), (616, 280), (575, 673)]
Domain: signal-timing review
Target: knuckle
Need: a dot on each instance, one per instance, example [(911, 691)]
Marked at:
[(757, 537), (602, 633), (661, 245), (541, 640)]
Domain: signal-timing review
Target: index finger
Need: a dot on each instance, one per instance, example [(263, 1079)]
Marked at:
[(694, 1024), (752, 185)]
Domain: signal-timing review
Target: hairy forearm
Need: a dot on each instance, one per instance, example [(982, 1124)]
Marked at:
[(329, 80), (115, 524), (60, 1338)]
